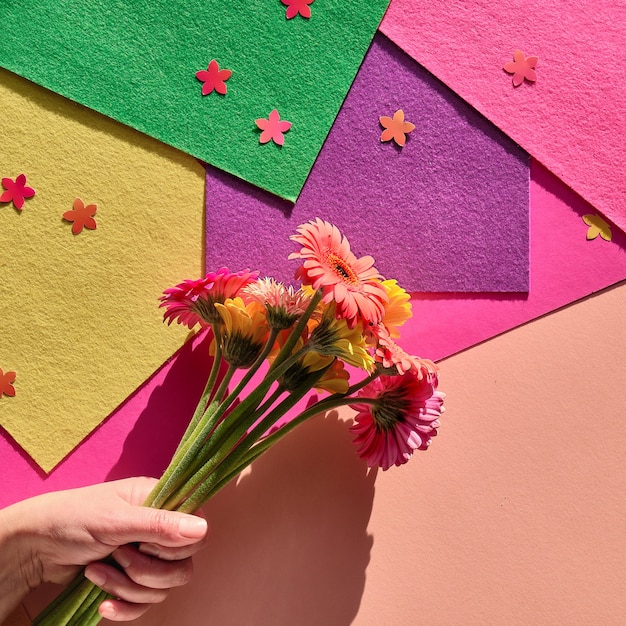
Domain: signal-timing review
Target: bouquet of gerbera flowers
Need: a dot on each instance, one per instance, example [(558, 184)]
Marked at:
[(344, 314)]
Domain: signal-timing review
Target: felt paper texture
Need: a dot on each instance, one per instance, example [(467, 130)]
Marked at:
[(564, 267), (79, 313), (573, 118), (136, 62), (140, 435), (446, 212)]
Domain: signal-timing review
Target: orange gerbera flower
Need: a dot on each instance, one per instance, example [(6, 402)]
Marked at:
[(390, 356), (328, 264)]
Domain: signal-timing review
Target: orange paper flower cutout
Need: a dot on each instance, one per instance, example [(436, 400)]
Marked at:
[(6, 383), (395, 128), (522, 68), (16, 191), (597, 226), (81, 216)]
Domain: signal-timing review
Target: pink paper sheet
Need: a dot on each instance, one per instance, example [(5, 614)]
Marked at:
[(139, 437), (573, 118)]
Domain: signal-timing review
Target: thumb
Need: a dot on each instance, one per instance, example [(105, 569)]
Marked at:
[(166, 528)]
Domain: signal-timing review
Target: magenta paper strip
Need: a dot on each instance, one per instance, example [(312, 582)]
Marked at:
[(573, 118), (447, 212), (139, 437)]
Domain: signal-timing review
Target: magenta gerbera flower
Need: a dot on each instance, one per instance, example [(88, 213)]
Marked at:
[(328, 264), (192, 301), (396, 416)]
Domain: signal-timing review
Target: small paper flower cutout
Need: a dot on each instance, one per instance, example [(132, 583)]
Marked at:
[(295, 7), (273, 128), (522, 68), (6, 383), (214, 78), (395, 128), (597, 226), (81, 216), (16, 191)]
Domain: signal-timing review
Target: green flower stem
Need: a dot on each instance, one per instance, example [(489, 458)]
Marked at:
[(92, 617), (85, 614), (358, 386), (322, 406), (182, 459), (183, 464), (219, 438), (208, 389), (229, 432), (243, 416), (61, 611), (232, 464)]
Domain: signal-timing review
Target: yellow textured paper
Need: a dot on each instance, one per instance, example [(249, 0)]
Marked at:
[(79, 316)]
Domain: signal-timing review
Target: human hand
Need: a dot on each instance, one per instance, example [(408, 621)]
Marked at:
[(50, 537)]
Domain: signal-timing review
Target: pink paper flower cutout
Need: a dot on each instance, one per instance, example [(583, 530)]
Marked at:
[(16, 191), (214, 78), (522, 68), (295, 7), (81, 216), (273, 128), (6, 383)]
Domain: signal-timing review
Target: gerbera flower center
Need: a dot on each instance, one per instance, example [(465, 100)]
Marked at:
[(390, 410), (341, 268)]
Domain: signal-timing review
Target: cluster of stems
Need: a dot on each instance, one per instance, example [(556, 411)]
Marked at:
[(227, 432)]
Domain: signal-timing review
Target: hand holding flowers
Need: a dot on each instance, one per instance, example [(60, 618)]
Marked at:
[(345, 315)]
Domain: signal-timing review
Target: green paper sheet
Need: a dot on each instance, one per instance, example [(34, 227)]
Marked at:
[(136, 61)]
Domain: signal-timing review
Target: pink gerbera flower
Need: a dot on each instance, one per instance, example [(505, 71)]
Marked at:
[(328, 264), (192, 301), (396, 416)]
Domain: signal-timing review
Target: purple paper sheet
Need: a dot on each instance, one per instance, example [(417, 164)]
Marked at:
[(448, 212)]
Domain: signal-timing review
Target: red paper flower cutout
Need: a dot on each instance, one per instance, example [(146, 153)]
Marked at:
[(295, 7), (273, 128), (214, 78), (82, 216), (395, 127), (6, 383), (522, 68), (16, 191)]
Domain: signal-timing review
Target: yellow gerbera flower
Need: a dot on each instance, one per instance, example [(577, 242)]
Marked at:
[(398, 309), (245, 331), (333, 337)]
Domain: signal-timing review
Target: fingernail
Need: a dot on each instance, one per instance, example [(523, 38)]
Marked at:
[(122, 558), (107, 610), (150, 549), (192, 527), (95, 576)]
